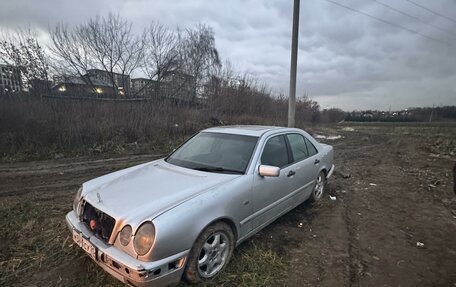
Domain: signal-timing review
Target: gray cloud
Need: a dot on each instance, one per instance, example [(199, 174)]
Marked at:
[(346, 60)]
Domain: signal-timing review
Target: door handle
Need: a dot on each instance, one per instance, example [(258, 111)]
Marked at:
[(317, 161), (291, 173)]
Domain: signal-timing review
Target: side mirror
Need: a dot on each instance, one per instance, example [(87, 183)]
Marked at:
[(268, 170)]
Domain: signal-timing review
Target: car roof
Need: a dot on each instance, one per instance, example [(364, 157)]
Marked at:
[(248, 130)]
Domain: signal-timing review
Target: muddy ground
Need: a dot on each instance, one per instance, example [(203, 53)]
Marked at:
[(392, 223)]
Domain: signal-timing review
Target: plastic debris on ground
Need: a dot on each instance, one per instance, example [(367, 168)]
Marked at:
[(328, 137)]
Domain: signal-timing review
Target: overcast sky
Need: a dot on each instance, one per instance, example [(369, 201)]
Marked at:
[(346, 60)]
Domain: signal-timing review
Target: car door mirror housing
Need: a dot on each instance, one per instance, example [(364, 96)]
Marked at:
[(269, 170)]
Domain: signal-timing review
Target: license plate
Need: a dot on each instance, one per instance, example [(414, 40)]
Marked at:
[(85, 244)]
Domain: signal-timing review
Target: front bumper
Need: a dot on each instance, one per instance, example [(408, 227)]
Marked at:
[(127, 269)]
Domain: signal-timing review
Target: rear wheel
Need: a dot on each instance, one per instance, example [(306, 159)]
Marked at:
[(210, 253), (319, 188)]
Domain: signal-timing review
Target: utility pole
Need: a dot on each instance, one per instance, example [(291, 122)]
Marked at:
[(294, 64), (432, 113)]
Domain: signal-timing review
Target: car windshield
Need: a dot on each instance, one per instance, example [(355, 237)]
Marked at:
[(215, 152)]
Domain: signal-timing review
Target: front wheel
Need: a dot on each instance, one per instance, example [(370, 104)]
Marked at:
[(210, 253), (319, 188)]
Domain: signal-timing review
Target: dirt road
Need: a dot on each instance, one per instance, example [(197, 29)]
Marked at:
[(398, 196), (393, 222)]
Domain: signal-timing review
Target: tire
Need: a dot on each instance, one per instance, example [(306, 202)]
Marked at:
[(319, 188), (210, 254)]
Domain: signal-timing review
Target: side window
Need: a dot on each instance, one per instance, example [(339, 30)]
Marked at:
[(311, 148), (275, 152), (298, 147)]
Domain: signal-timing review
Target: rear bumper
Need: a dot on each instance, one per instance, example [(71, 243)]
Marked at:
[(127, 269), (330, 172)]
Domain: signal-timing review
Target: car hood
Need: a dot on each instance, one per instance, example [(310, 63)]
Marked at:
[(147, 190)]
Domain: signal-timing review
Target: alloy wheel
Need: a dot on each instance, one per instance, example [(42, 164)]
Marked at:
[(213, 255)]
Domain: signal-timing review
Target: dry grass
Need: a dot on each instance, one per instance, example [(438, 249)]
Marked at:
[(42, 128), (33, 236), (255, 265), (33, 128)]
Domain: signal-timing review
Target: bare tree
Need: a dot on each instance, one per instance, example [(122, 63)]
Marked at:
[(161, 53), (23, 50), (215, 88), (108, 44), (199, 55), (72, 52), (307, 109)]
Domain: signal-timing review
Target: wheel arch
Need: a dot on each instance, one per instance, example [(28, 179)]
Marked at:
[(228, 221), (324, 171)]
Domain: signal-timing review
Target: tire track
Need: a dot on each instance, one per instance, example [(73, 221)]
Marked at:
[(60, 176)]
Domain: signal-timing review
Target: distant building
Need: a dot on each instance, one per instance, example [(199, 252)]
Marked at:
[(10, 79), (142, 87), (178, 86), (77, 86), (174, 85), (40, 87), (121, 81)]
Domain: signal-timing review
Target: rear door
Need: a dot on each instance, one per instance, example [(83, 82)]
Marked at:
[(303, 164)]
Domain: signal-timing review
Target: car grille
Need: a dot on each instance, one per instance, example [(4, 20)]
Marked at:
[(98, 222)]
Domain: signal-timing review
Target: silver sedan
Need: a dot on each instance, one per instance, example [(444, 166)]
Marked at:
[(182, 216)]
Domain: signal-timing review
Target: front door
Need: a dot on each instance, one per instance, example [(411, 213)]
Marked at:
[(271, 194)]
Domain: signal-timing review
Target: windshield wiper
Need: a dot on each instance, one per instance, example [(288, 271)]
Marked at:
[(218, 169)]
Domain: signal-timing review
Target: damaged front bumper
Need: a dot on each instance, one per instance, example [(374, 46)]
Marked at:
[(122, 266)]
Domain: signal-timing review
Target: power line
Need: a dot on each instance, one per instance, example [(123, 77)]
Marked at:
[(432, 11), (414, 17), (392, 24)]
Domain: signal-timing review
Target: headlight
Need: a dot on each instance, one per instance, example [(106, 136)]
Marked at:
[(144, 238), (125, 235), (76, 200)]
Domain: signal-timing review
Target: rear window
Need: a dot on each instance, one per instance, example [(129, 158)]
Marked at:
[(298, 147), (311, 148)]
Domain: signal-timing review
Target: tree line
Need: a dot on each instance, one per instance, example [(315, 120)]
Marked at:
[(111, 44), (425, 114)]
